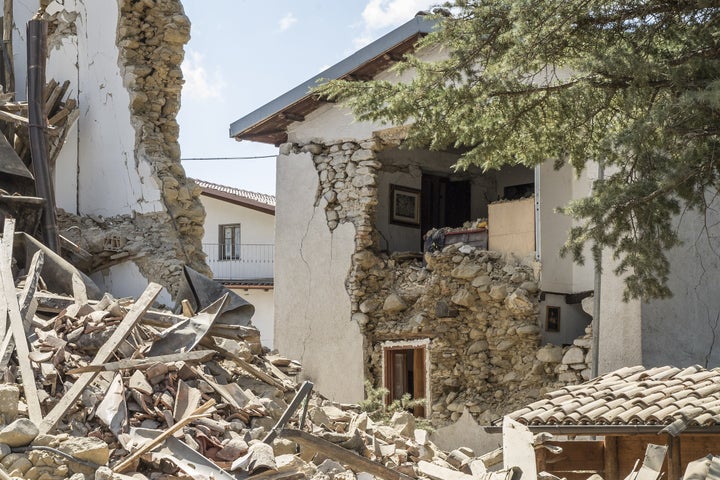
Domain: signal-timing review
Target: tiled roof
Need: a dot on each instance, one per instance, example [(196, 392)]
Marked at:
[(260, 202), (237, 192), (632, 396)]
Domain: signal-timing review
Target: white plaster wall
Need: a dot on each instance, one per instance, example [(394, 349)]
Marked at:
[(555, 191), (112, 180), (685, 330), (126, 280), (23, 11), (557, 188), (620, 327), (573, 321), (255, 227), (312, 308), (264, 303), (396, 238)]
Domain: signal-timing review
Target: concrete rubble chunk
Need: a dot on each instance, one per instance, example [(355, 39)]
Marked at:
[(19, 433)]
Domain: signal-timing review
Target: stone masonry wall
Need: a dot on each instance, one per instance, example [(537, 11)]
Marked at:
[(479, 309)]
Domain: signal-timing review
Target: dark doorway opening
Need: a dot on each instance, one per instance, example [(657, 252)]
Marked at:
[(405, 374)]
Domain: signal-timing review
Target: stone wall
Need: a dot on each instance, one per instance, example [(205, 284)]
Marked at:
[(476, 311)]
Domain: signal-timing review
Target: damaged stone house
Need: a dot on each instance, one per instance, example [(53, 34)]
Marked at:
[(122, 193), (484, 319)]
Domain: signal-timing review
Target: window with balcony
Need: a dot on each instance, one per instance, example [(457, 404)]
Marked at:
[(229, 242)]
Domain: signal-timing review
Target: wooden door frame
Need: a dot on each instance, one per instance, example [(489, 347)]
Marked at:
[(421, 366)]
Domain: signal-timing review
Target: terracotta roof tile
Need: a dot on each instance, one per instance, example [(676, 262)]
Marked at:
[(238, 193), (633, 396)]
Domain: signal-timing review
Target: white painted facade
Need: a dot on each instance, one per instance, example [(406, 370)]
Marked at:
[(257, 229), (312, 307), (97, 171)]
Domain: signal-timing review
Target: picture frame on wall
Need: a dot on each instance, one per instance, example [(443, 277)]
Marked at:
[(552, 319), (404, 205)]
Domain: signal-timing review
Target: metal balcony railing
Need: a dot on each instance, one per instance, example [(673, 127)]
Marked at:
[(240, 262)]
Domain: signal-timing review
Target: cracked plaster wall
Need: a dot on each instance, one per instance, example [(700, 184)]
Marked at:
[(312, 308), (119, 174)]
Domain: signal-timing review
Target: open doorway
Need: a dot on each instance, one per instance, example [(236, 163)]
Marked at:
[(405, 373)]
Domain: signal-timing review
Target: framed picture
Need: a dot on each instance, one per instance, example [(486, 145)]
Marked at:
[(552, 319), (404, 205)]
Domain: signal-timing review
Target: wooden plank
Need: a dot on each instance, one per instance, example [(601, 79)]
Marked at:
[(198, 413), (631, 449), (436, 472), (118, 336), (611, 458), (674, 469), (335, 452), (141, 363), (585, 455), (255, 372), (16, 324), (26, 303)]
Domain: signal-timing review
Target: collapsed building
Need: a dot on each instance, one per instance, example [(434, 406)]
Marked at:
[(116, 176)]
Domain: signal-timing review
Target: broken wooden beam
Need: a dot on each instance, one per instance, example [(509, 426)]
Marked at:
[(121, 332), (142, 363), (351, 459), (16, 324), (198, 413)]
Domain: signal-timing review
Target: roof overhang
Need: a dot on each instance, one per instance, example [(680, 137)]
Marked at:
[(235, 200), (268, 124), (602, 430)]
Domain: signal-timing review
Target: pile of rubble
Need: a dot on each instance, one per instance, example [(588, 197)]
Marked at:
[(113, 388)]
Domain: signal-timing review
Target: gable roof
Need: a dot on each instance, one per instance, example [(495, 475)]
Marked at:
[(632, 399), (268, 124), (256, 201)]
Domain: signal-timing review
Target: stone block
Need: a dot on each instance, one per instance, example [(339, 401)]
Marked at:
[(393, 303), (498, 292), (464, 298), (466, 271), (91, 449), (527, 330), (19, 433), (9, 398), (549, 354), (573, 355)]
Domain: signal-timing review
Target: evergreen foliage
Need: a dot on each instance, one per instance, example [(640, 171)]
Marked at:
[(634, 84)]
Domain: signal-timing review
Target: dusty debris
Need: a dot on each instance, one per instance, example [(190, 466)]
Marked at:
[(123, 389)]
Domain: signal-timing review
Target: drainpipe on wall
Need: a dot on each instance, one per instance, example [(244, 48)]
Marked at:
[(596, 298), (37, 128)]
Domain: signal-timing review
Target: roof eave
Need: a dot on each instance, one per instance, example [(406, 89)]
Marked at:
[(235, 200), (607, 429), (420, 24)]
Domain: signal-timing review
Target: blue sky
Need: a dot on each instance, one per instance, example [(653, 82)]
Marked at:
[(244, 53)]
